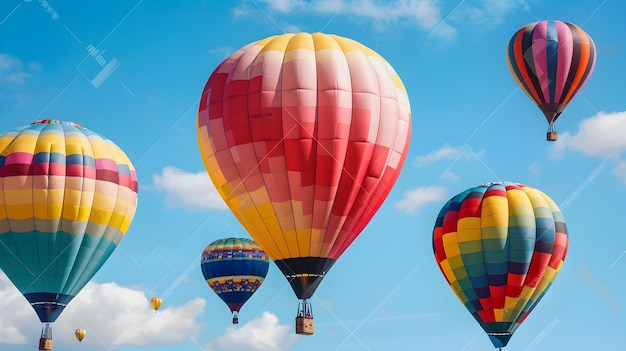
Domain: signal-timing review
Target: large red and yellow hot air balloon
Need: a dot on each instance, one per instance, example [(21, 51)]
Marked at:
[(304, 136), (67, 198), (500, 246), (551, 61)]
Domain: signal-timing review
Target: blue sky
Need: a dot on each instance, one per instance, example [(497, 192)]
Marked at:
[(471, 125)]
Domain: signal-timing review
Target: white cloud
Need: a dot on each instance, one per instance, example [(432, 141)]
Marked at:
[(598, 135), (191, 191), (222, 52), (12, 70), (601, 135), (428, 15), (488, 13), (450, 175), (446, 151), (15, 314), (9, 63), (417, 198), (260, 334), (112, 315), (533, 168)]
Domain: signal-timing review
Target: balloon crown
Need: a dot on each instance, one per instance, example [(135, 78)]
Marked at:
[(57, 121), (504, 183)]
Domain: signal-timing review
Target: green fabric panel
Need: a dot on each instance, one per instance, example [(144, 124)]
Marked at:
[(56, 263), (470, 247), (473, 258)]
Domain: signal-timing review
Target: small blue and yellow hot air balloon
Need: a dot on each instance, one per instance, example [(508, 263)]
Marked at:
[(234, 268), (67, 198)]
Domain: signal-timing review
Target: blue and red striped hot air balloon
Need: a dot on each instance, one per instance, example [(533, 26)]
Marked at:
[(500, 246), (551, 61), (67, 198), (234, 268)]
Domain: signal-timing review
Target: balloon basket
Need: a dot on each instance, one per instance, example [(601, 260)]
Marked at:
[(552, 136), (235, 320), (304, 320), (45, 344), (305, 326)]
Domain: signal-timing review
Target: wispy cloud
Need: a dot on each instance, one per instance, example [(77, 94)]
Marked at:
[(12, 70), (447, 152), (261, 334), (431, 16), (191, 191), (417, 198), (113, 316)]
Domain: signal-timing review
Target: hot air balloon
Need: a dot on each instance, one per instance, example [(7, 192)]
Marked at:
[(156, 303), (551, 61), (234, 268), (80, 334), (304, 135), (67, 198), (500, 246)]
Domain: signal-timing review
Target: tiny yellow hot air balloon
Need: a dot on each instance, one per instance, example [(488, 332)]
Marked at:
[(80, 334), (156, 302)]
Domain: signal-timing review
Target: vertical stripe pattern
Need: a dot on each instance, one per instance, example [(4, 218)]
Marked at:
[(551, 61), (500, 247)]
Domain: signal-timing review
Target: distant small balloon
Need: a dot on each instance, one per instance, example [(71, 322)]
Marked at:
[(551, 61), (80, 334), (156, 303)]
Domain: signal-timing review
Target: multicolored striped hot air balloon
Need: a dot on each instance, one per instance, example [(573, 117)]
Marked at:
[(304, 136), (234, 268), (500, 246), (551, 61), (67, 198)]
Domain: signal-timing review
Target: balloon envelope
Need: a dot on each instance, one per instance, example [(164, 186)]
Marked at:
[(551, 61), (156, 303), (234, 268), (67, 197), (304, 136), (80, 334), (500, 247)]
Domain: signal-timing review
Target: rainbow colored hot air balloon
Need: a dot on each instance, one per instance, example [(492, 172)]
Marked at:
[(500, 246), (67, 197), (304, 136), (551, 61), (234, 268)]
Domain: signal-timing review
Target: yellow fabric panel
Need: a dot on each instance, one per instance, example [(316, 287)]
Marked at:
[(19, 212), (510, 303), (324, 42), (5, 140), (278, 43), (526, 293), (469, 229), (304, 241), (498, 314), (317, 235), (292, 242), (264, 42), (299, 47), (18, 197), (348, 45)]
